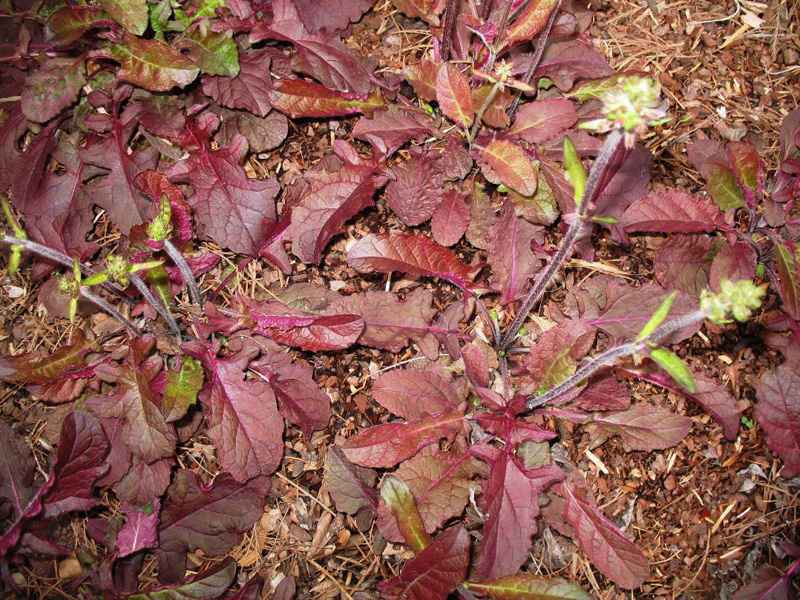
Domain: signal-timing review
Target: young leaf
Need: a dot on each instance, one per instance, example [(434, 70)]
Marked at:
[(575, 171), (52, 87), (746, 169), (397, 497), (297, 98), (733, 262), (434, 572), (778, 413), (510, 499), (605, 545), (672, 212), (554, 357), (410, 394), (505, 162), (526, 586), (658, 317), (383, 446), (409, 253), (642, 428), (131, 14), (416, 190), (214, 53), (32, 368), (182, 388), (151, 64), (673, 365), (351, 487), (450, 219), (140, 530), (209, 518), (542, 120), (453, 95), (530, 22)]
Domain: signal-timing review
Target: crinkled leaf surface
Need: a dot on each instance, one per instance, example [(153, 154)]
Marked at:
[(182, 387), (69, 23), (52, 87), (672, 212), (554, 356), (31, 367), (454, 96), (604, 393), (249, 90), (683, 262), (734, 262), (564, 61), (642, 428), (131, 14), (331, 15), (152, 64), (450, 219), (778, 414), (17, 488), (416, 190), (389, 129), (544, 119), (605, 545), (410, 394), (214, 53), (434, 572), (209, 518)]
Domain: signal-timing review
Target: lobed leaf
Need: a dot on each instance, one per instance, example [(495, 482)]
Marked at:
[(182, 387), (416, 190)]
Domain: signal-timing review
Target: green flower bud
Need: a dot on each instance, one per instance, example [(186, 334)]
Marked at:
[(161, 226), (118, 268), (739, 299)]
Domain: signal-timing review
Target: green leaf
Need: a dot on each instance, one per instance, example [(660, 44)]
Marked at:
[(576, 173), (673, 365), (151, 64), (658, 317), (723, 188), (131, 14), (214, 53), (182, 388), (398, 498), (527, 586)]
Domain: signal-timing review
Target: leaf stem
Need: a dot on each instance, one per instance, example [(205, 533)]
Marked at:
[(610, 146), (447, 29), (537, 57), (109, 308), (186, 272), (159, 307), (484, 107)]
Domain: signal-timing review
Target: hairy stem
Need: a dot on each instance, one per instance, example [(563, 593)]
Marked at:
[(186, 272), (536, 58), (447, 29), (62, 259), (109, 308), (612, 355), (159, 306), (501, 34), (610, 146)]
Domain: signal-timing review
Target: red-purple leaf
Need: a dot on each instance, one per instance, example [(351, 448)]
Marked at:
[(262, 134), (17, 488), (422, 78), (131, 14), (509, 253), (605, 545), (211, 519), (411, 394), (434, 572), (510, 499), (331, 15), (441, 483), (409, 253), (80, 461), (69, 23), (769, 584), (230, 208), (151, 64), (249, 90), (208, 584), (565, 61), (733, 262), (556, 353), (31, 367), (541, 120), (527, 586), (505, 162), (454, 96), (390, 129), (140, 530), (144, 483), (604, 393), (788, 269), (642, 428), (351, 487), (52, 87), (450, 219), (383, 446), (747, 170), (672, 212), (683, 262), (778, 414), (297, 98), (329, 196), (302, 402), (416, 191), (530, 22), (156, 185)]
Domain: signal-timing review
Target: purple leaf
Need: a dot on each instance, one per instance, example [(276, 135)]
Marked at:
[(769, 584), (262, 134), (788, 269), (441, 482), (778, 414), (605, 545), (244, 423), (331, 15), (162, 115), (416, 191), (556, 353), (747, 169), (144, 483), (351, 487), (565, 61), (434, 572), (17, 488), (80, 461), (672, 212), (297, 98), (69, 23), (211, 519), (31, 367), (141, 529), (383, 446), (209, 584), (506, 162), (735, 262), (410, 394), (409, 253), (683, 262), (643, 428), (131, 14), (52, 87), (454, 96), (450, 219), (390, 129), (604, 393), (249, 90), (541, 120), (510, 499), (230, 208), (151, 64), (329, 196), (302, 402)]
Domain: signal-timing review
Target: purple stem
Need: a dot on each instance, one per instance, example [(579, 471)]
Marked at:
[(186, 272), (159, 307), (447, 29), (609, 149), (101, 303)]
